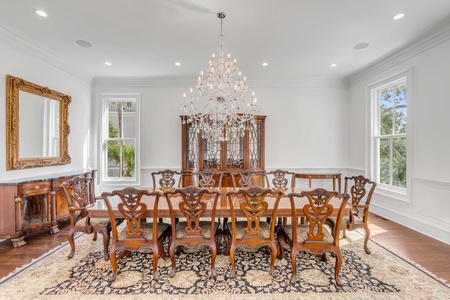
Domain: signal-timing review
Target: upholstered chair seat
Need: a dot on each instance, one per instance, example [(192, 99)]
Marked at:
[(302, 233), (204, 225), (242, 225), (147, 231), (94, 222)]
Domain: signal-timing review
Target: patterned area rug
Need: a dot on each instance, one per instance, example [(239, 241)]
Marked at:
[(380, 275)]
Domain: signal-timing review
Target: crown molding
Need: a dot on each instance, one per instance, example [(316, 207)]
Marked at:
[(186, 82), (429, 39), (20, 42)]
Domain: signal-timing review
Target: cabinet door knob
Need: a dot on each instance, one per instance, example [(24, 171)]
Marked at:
[(37, 187)]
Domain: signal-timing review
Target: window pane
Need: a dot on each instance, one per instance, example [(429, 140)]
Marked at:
[(400, 109), (385, 170), (128, 159), (399, 162), (121, 119), (386, 110), (113, 159), (121, 158)]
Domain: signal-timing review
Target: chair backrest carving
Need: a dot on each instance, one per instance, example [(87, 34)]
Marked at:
[(361, 192), (280, 178), (194, 203), (254, 206), (132, 210), (316, 211), (207, 179), (166, 179), (79, 192), (248, 178)]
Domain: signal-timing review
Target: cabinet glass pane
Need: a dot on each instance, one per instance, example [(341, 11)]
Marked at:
[(255, 146), (191, 147), (35, 210), (211, 154), (235, 153)]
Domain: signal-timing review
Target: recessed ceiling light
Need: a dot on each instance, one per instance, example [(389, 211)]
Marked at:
[(333, 65), (361, 46), (265, 64), (107, 63), (177, 63), (84, 43), (41, 13), (398, 16)]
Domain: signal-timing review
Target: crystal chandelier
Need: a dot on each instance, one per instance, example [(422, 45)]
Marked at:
[(219, 106)]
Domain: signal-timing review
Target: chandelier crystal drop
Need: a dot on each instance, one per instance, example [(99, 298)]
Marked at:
[(220, 106)]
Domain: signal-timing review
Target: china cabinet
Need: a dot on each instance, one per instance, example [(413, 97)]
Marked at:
[(236, 154)]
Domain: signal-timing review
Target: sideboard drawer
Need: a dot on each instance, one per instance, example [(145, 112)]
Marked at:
[(38, 187)]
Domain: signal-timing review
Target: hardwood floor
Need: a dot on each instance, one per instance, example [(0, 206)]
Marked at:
[(425, 251)]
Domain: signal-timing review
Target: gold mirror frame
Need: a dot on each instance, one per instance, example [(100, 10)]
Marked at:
[(13, 161)]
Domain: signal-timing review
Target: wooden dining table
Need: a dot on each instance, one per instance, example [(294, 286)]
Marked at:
[(99, 209)]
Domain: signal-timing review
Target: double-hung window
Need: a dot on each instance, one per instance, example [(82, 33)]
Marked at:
[(120, 143), (389, 138)]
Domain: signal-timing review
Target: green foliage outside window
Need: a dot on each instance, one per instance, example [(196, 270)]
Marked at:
[(393, 136), (128, 152)]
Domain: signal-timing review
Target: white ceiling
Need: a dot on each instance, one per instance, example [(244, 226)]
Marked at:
[(298, 38)]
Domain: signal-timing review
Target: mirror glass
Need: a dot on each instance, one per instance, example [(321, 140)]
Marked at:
[(37, 125)]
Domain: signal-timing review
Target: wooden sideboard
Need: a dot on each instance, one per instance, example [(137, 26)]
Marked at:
[(311, 176), (31, 204)]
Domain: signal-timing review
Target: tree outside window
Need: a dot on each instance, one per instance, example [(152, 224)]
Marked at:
[(391, 134), (120, 141)]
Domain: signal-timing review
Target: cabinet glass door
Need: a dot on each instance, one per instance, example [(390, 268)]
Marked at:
[(191, 147), (254, 134), (235, 152), (211, 154)]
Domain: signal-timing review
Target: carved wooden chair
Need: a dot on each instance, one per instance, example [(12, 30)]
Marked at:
[(361, 192), (207, 179), (280, 179), (314, 237), (79, 192), (167, 179), (193, 231), (248, 178), (252, 232), (136, 235)]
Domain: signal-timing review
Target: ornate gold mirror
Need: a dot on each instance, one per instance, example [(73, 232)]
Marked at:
[(37, 126)]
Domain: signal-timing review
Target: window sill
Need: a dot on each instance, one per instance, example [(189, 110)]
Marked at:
[(399, 194)]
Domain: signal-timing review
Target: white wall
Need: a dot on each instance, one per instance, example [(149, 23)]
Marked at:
[(24, 63), (427, 206), (306, 125)]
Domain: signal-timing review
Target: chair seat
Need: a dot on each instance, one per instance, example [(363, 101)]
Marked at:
[(147, 231), (302, 233), (95, 222), (241, 233), (346, 220), (205, 226)]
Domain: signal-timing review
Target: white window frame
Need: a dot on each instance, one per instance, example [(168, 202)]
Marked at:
[(373, 111), (105, 98)]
